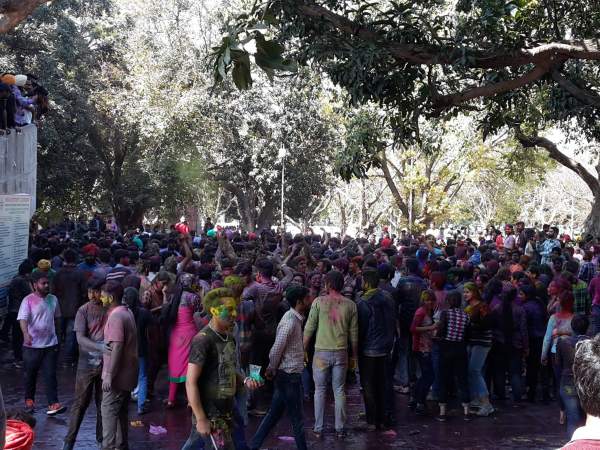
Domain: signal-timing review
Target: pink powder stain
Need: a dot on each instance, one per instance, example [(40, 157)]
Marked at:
[(334, 314)]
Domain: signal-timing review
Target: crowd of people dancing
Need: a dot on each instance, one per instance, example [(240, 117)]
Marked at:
[(259, 323)]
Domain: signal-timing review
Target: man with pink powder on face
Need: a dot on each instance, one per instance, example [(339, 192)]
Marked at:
[(38, 317)]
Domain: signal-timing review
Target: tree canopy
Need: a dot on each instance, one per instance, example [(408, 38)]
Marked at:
[(527, 65)]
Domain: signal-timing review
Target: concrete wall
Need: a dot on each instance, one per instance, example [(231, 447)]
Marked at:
[(18, 163)]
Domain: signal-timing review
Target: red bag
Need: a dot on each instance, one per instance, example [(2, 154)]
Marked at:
[(19, 435)]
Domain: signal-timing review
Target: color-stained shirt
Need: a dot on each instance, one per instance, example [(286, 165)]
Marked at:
[(557, 326), (39, 313), (120, 327), (218, 381), (335, 321), (422, 340), (90, 320), (287, 353)]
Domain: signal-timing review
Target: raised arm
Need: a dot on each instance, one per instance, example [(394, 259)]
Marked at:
[(187, 251)]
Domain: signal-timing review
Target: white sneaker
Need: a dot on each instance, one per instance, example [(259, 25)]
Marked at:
[(485, 410)]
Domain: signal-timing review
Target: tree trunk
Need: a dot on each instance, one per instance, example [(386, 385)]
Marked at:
[(265, 218), (592, 223), (363, 217)]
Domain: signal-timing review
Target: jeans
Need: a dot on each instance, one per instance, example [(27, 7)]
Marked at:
[(557, 374), (533, 362), (197, 442), (308, 385), (88, 382), (238, 436), (405, 373), (70, 352), (114, 419), (373, 382), (332, 364), (426, 379), (477, 356), (595, 320), (575, 415), (506, 358), (401, 374), (287, 395), (436, 364), (142, 392), (453, 366), (389, 389), (45, 359)]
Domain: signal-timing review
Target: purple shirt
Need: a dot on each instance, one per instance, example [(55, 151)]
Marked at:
[(21, 102), (535, 314), (39, 313), (594, 289)]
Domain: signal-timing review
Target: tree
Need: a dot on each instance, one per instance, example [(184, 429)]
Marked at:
[(244, 140), (423, 178), (521, 62), (228, 145), (50, 41)]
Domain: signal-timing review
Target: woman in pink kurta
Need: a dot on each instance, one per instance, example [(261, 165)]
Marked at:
[(182, 329)]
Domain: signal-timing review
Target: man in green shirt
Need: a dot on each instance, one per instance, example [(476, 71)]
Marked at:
[(334, 320)]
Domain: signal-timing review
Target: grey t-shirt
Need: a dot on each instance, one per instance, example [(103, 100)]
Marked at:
[(90, 320)]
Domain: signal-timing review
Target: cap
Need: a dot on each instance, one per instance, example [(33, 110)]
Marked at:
[(20, 80), (44, 264)]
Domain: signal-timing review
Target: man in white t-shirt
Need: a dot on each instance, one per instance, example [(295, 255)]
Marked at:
[(38, 317), (510, 241)]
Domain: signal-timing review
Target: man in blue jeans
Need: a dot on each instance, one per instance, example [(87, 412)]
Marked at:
[(333, 318), (286, 363)]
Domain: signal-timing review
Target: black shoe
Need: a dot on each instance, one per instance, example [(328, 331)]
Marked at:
[(420, 410), (441, 418), (340, 434)]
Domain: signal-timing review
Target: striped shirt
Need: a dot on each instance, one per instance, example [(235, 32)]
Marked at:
[(456, 321), (287, 353)]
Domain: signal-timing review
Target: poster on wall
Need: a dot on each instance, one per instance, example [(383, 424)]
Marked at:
[(14, 240)]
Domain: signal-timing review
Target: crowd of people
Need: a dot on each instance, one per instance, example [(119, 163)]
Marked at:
[(22, 100), (259, 323)]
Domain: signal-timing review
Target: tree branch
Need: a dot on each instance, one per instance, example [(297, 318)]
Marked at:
[(558, 156), (13, 12), (583, 95), (490, 90), (393, 188), (431, 55)]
